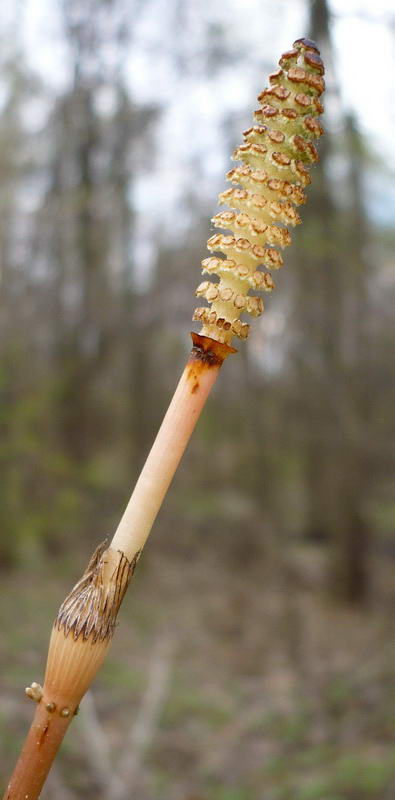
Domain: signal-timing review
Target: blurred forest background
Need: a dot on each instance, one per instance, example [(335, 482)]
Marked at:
[(254, 658)]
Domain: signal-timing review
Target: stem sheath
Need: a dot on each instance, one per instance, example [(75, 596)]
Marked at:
[(85, 623)]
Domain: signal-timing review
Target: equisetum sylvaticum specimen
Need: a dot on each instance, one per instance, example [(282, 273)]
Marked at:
[(266, 189)]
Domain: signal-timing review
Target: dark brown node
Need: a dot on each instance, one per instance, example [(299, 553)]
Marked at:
[(208, 351)]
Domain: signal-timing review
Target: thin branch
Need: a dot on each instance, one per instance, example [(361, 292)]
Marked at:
[(97, 745), (143, 730), (56, 788)]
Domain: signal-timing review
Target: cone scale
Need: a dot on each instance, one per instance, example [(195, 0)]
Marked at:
[(270, 183)]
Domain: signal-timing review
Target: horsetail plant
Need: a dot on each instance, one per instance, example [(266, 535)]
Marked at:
[(266, 189)]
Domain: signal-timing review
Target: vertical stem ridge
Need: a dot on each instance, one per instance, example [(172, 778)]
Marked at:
[(196, 382)]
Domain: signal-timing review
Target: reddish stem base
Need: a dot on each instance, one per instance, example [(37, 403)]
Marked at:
[(35, 761)]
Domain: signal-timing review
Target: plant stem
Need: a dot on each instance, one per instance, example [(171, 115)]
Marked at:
[(40, 748), (85, 623), (195, 384)]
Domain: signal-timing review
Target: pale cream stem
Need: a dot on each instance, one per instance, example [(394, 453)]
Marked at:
[(173, 436)]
